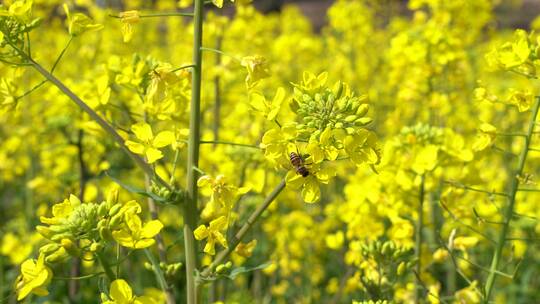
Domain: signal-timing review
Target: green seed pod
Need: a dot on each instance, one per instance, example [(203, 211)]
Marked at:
[(114, 209), (362, 109)]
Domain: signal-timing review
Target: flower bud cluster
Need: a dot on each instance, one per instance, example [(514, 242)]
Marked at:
[(77, 227), (321, 107)]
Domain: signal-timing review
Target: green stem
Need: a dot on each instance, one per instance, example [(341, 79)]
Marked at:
[(511, 204), (219, 52), (187, 66), (418, 240), (218, 142), (106, 267), (96, 117), (159, 276), (55, 64), (158, 15), (190, 207), (220, 258)]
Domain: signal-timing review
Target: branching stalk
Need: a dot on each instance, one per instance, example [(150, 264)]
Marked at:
[(511, 205), (222, 256), (418, 240)]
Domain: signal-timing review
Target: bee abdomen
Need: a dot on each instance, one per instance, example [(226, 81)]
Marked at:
[(303, 171)]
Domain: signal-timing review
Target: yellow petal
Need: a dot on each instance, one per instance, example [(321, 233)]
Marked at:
[(163, 139), (135, 147), (153, 154), (151, 228), (201, 232), (120, 291), (311, 192), (143, 131)]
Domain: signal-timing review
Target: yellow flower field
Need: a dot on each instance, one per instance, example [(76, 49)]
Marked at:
[(200, 151)]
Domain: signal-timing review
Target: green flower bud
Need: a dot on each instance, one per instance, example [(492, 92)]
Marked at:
[(95, 246), (350, 118), (44, 231), (58, 256), (105, 233), (114, 209), (60, 236), (49, 248), (363, 121), (70, 247), (112, 197), (362, 109), (102, 209), (338, 89), (116, 220)]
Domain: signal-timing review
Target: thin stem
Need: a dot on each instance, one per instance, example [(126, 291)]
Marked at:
[(55, 64), (159, 276), (106, 267), (96, 117), (220, 52), (418, 239), (217, 142), (187, 66), (190, 207), (511, 204), (220, 258), (217, 96), (158, 15), (89, 276)]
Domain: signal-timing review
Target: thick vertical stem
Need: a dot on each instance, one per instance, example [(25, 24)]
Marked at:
[(190, 206), (217, 95), (83, 179), (418, 241), (509, 211)]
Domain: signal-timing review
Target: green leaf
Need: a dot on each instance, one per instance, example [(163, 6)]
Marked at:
[(241, 270), (136, 190)]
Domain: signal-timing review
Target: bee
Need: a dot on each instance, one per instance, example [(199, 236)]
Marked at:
[(298, 164)]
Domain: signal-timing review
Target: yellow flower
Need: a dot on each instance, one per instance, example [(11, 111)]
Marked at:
[(149, 145), (34, 278), (276, 142), (246, 249), (269, 109), (129, 18), (522, 99), (311, 192), (222, 195), (20, 9), (120, 293), (79, 23), (15, 248), (257, 69), (62, 210), (134, 235), (485, 137), (213, 234)]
